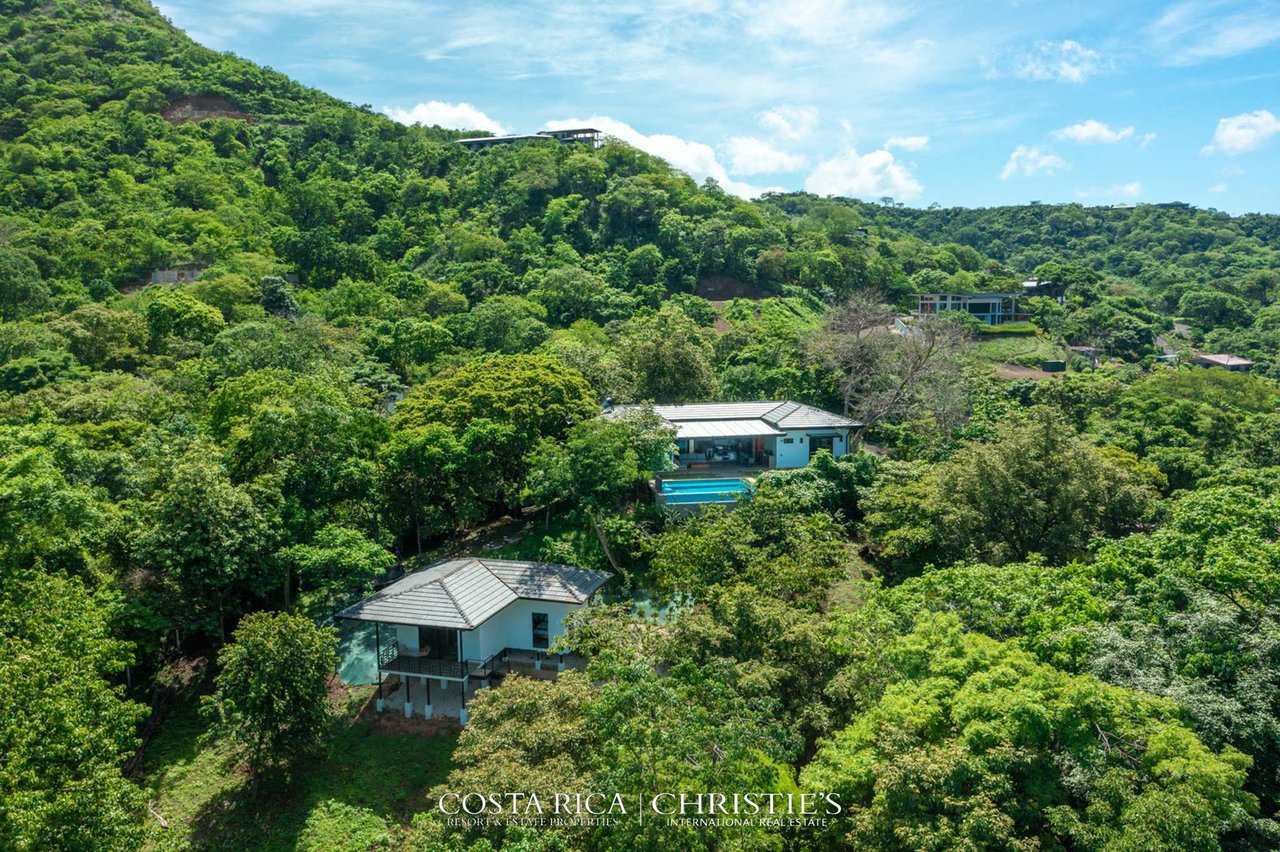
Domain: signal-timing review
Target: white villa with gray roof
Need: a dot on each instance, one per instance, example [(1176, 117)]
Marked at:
[(722, 445), (460, 620)]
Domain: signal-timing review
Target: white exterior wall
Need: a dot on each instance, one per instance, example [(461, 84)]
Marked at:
[(513, 628), (796, 454)]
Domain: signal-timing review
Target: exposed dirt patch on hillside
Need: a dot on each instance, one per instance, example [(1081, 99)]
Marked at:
[(1017, 371), (201, 107), (721, 288)]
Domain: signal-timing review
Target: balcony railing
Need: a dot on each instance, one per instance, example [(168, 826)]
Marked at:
[(392, 660)]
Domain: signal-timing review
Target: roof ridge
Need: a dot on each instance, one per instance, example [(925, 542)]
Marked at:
[(583, 574), (484, 563), (449, 594), (556, 570), (386, 594), (558, 574), (765, 416), (573, 592)]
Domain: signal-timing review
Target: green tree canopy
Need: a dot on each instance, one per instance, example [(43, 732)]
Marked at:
[(1037, 488), (961, 741), (272, 688), (65, 729)]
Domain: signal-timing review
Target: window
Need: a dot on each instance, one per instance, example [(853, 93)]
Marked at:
[(438, 643), (541, 630), (822, 442)]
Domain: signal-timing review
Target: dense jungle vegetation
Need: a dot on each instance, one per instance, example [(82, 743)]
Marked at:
[(1042, 614)]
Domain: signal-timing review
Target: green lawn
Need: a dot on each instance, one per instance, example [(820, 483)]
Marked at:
[(1028, 351), (375, 775), (1009, 328)]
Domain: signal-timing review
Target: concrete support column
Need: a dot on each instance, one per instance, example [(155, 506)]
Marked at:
[(427, 709)]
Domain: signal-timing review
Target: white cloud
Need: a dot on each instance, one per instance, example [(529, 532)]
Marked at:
[(1218, 187), (908, 143), (1066, 61), (1192, 32), (462, 116), (790, 122), (1147, 139), (751, 156), (1241, 133), (816, 21), (697, 159), (1093, 132), (1127, 191), (1029, 161), (872, 175)]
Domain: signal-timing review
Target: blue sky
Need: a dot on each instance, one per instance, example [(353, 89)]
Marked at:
[(969, 102)]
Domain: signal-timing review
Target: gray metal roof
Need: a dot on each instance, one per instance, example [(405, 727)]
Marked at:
[(556, 130), (464, 593), (797, 415), (711, 419), (724, 429), (1223, 360), (546, 581), (714, 411)]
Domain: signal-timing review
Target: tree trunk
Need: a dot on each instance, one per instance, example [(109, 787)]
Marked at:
[(604, 543)]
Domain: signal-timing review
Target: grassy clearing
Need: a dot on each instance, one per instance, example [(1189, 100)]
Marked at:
[(1027, 351), (1009, 328), (374, 777), (851, 592)]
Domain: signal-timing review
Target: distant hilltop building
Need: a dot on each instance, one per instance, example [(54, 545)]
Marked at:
[(589, 135), (1234, 363), (1034, 286), (178, 274), (990, 308)]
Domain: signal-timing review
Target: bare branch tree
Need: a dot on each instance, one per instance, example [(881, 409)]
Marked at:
[(888, 373)]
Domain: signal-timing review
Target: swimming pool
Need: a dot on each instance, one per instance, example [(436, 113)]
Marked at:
[(703, 490)]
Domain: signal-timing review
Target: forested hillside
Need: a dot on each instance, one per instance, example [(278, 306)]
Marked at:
[(1042, 613), (1219, 272)]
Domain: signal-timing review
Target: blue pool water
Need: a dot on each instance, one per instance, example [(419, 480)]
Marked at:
[(703, 490)]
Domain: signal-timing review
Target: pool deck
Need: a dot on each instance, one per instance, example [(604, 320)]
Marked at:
[(715, 470)]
